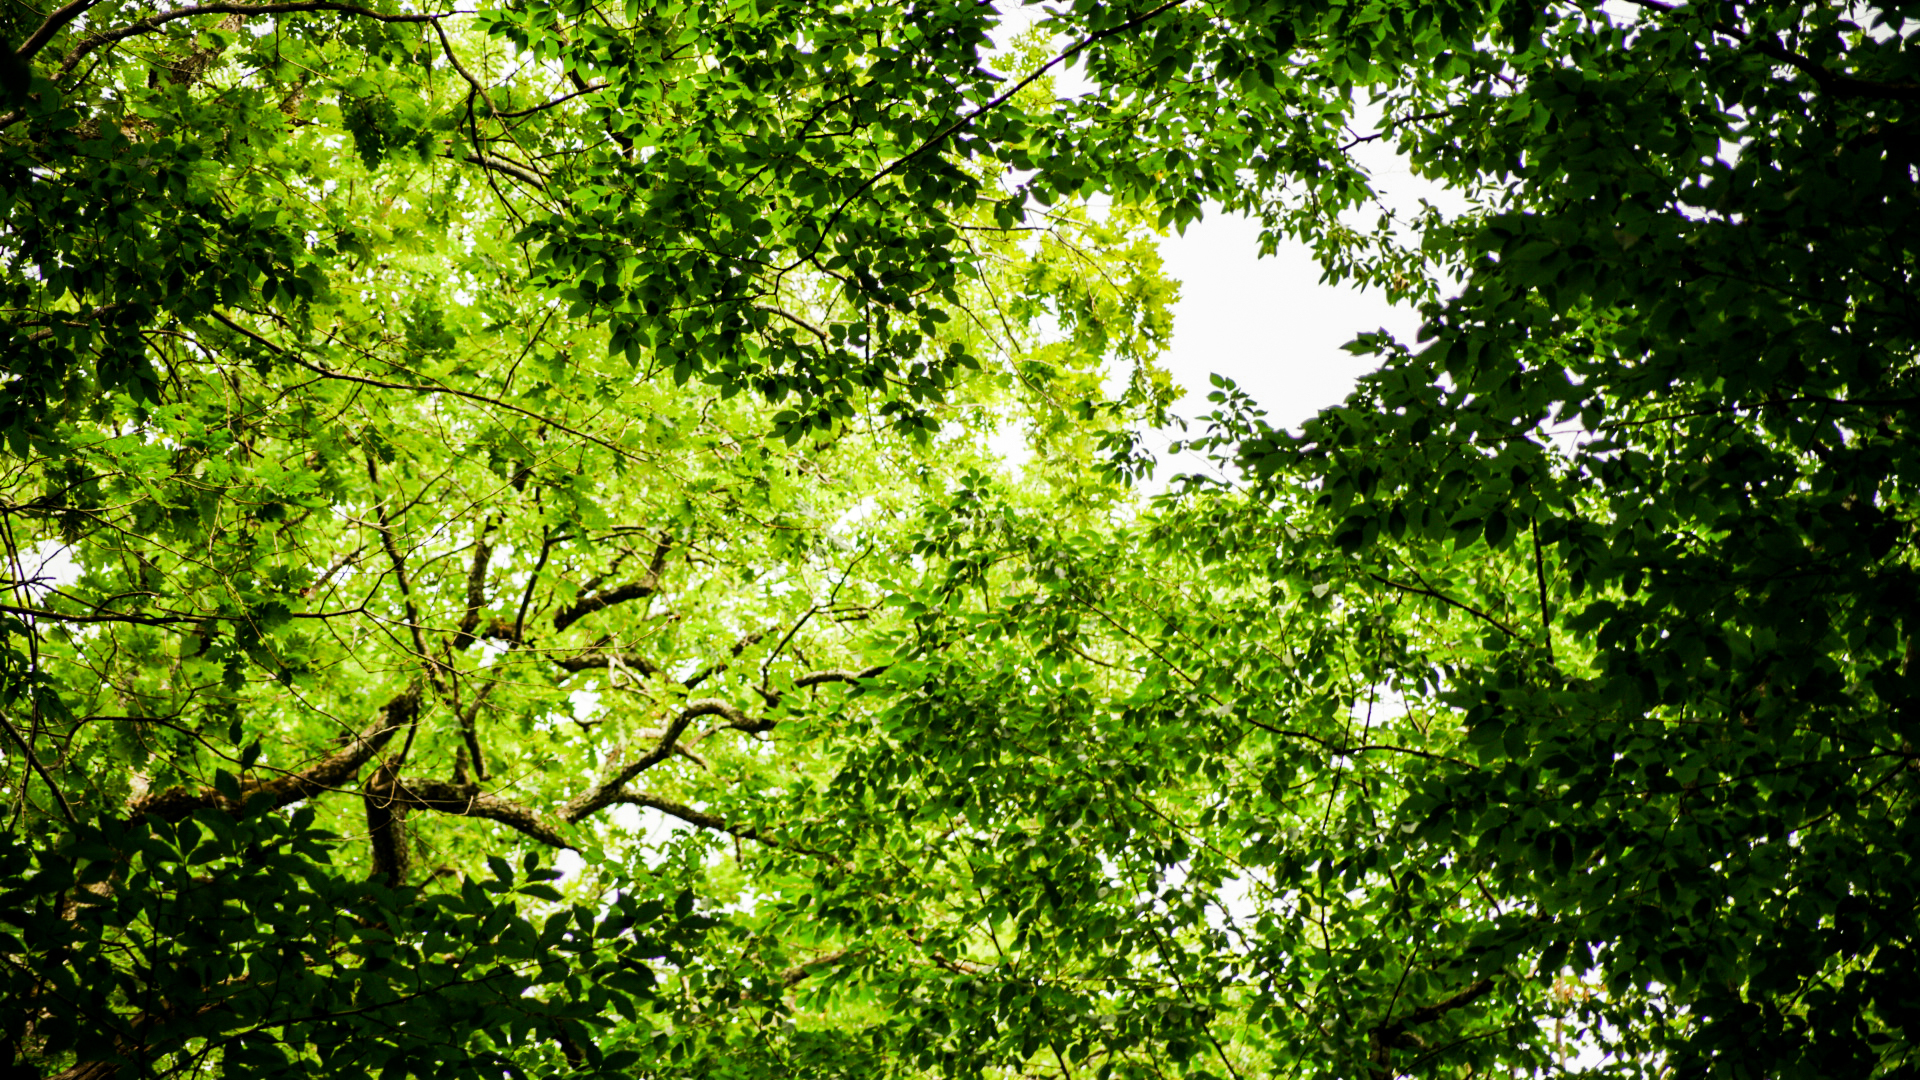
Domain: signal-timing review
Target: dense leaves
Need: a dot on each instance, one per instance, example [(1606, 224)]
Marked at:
[(511, 570)]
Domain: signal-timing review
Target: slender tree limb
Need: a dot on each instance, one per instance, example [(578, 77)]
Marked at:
[(382, 384), (580, 88), (951, 129), (505, 167), (607, 792), (138, 620), (745, 642), (1835, 83), (33, 761), (153, 22), (1445, 599), (688, 814)]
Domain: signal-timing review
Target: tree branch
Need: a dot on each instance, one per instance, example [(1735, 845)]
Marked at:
[(53, 24), (476, 588), (153, 22), (1445, 599), (382, 384), (328, 774), (834, 675), (632, 590), (502, 165), (948, 132), (386, 829), (745, 642), (1386, 1034), (609, 791), (466, 800), (688, 814)]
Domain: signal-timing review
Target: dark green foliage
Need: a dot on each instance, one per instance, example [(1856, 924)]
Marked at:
[(1554, 694)]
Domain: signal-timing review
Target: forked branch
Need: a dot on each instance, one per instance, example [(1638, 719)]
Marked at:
[(620, 594)]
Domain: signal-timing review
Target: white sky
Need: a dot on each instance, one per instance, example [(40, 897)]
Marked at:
[(1268, 324)]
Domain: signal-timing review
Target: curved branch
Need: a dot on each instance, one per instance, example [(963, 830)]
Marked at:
[(328, 774), (834, 675), (608, 792), (54, 24), (632, 590), (688, 814), (466, 800), (153, 22)]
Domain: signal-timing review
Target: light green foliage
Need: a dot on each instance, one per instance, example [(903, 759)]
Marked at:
[(565, 428)]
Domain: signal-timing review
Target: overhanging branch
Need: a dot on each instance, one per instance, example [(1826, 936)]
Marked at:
[(328, 774)]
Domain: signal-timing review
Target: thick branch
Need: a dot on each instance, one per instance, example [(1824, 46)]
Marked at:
[(476, 589), (501, 165), (54, 24), (631, 661), (1386, 1034), (386, 829), (1837, 83), (632, 590), (328, 774), (834, 675), (467, 800), (801, 970)]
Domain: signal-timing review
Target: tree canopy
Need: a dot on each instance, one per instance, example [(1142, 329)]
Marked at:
[(543, 595)]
